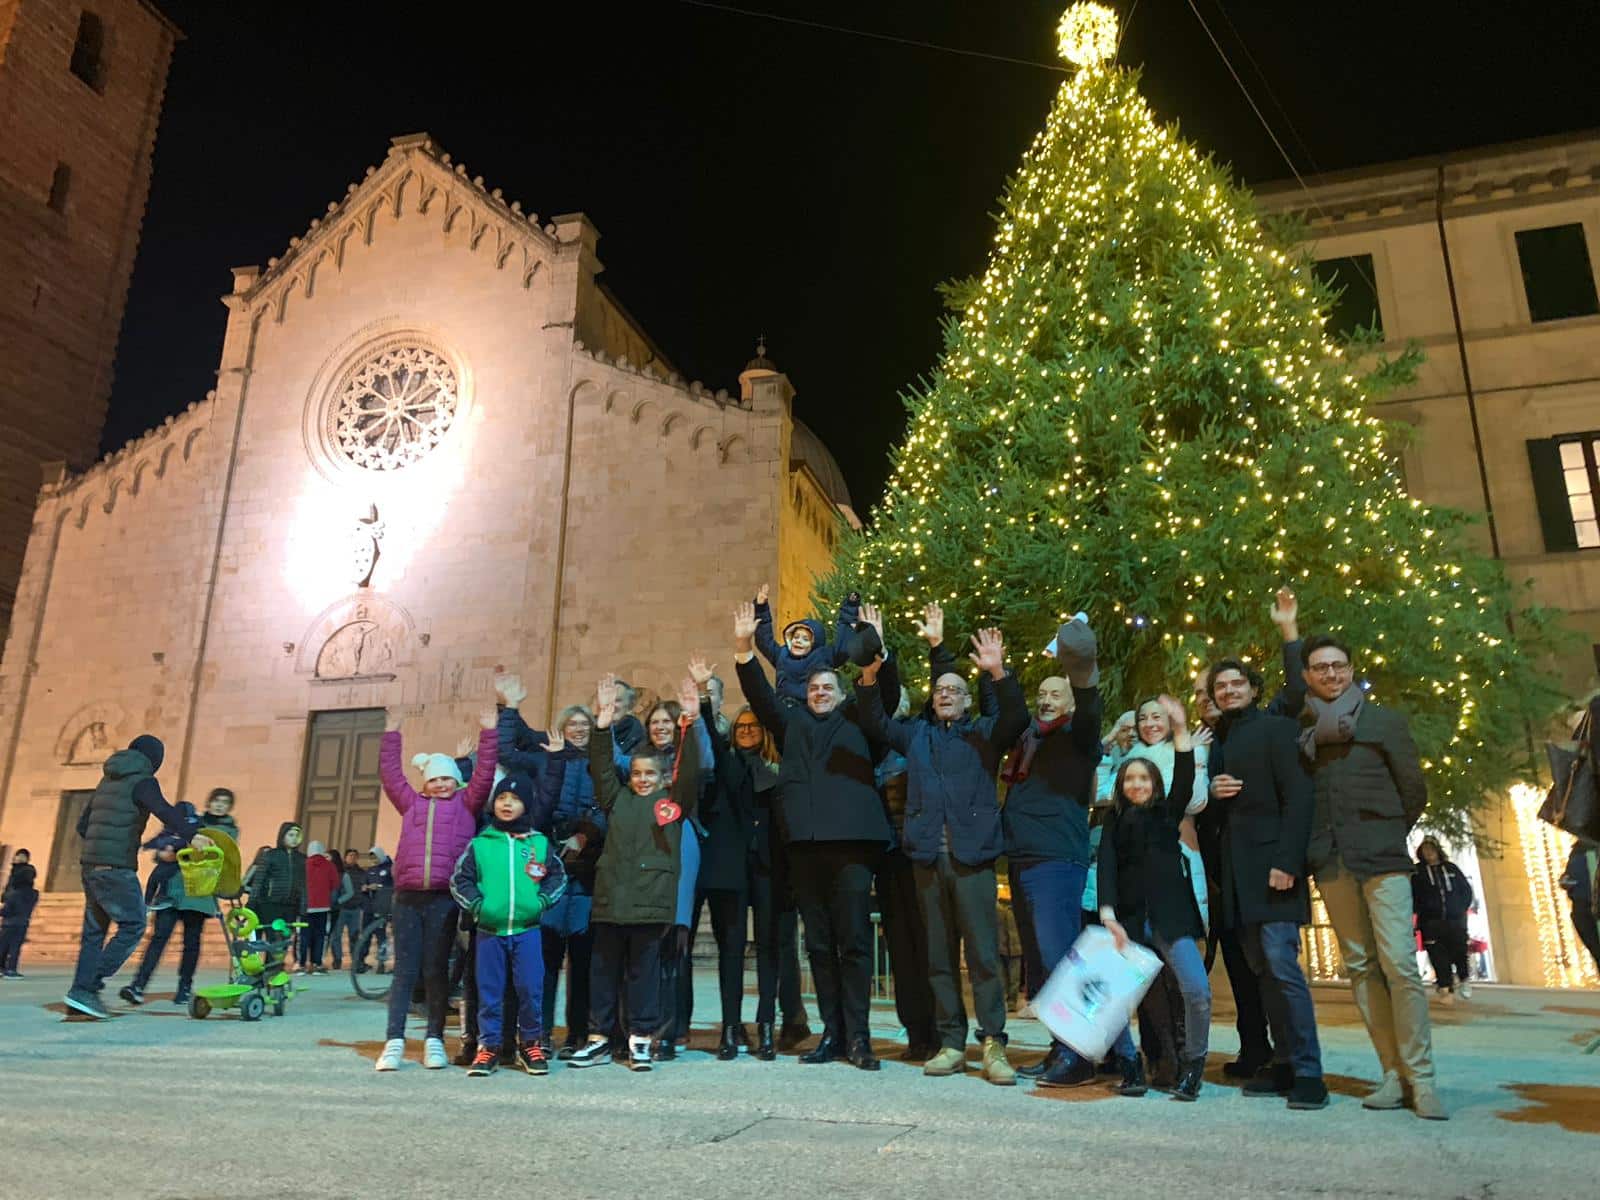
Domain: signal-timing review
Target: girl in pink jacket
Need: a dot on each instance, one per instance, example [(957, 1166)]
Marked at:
[(435, 826)]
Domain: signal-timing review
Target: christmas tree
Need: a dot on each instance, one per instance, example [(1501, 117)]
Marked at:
[(1138, 412)]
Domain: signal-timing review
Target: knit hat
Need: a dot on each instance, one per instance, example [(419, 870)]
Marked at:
[(862, 644), (1077, 651), (520, 786), (436, 766), (150, 746)]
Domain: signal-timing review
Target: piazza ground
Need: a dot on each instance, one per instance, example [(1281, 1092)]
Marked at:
[(153, 1104)]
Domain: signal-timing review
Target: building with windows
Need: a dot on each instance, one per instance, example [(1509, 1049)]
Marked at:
[(438, 447), (1486, 259), (80, 97)]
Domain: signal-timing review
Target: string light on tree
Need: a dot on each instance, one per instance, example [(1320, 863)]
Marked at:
[(1138, 412)]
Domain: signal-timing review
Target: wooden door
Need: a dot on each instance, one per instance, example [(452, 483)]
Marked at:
[(340, 795), (65, 873)]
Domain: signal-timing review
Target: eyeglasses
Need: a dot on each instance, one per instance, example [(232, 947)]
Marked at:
[(1328, 668), (949, 690), (747, 727)]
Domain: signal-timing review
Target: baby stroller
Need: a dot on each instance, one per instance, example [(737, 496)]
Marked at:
[(256, 974)]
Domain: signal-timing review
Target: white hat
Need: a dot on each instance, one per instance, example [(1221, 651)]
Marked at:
[(436, 766)]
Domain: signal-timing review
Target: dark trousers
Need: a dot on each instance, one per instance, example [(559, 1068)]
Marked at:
[(316, 937), (626, 956), (111, 896), (1250, 1013), (728, 909), (677, 985), (346, 924), (12, 935), (1588, 931), (424, 929), (1033, 970), (1446, 943), (833, 888), (194, 924), (777, 928), (506, 964), (577, 949), (1273, 951), (1051, 891), (957, 903), (1161, 1020), (155, 887), (907, 939)]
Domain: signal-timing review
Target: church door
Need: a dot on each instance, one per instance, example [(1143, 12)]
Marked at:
[(66, 875), (340, 796)]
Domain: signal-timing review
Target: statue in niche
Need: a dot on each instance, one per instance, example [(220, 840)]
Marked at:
[(364, 546), (363, 647)]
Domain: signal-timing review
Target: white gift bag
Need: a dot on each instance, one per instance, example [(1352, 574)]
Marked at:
[(1091, 995)]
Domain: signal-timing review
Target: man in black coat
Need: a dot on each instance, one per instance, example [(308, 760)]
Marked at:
[(112, 828), (1370, 792), (834, 831), (1264, 796), (952, 837)]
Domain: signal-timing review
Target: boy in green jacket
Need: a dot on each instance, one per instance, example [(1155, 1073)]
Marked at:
[(506, 878)]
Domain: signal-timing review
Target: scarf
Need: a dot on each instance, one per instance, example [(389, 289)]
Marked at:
[(1335, 721), (1021, 760), (763, 775)]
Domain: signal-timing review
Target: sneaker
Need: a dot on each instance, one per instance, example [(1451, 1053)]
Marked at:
[(1426, 1104), (664, 1050), (1465, 990), (87, 1003), (1273, 1080), (1388, 1094), (639, 1053), (394, 1053), (182, 996), (133, 995), (1069, 1071), (533, 1060), (996, 1067), (1308, 1092), (949, 1061), (1028, 1012), (433, 1056), (568, 1049), (1446, 997), (484, 1062), (593, 1052)]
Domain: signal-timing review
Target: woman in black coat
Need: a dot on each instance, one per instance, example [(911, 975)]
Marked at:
[(1146, 895), (1442, 896)]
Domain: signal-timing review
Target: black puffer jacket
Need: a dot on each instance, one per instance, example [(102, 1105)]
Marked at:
[(1440, 893), (112, 823), (279, 875), (1142, 871)]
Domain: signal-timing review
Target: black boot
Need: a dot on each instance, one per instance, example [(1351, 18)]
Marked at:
[(1189, 1080), (828, 1049), (665, 1050), (1164, 1074), (861, 1055), (766, 1048), (1132, 1077), (728, 1049), (1275, 1079), (1035, 1070)]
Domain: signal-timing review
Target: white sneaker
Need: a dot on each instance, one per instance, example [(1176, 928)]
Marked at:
[(394, 1053), (638, 1053), (1028, 1012), (1464, 991), (433, 1055)]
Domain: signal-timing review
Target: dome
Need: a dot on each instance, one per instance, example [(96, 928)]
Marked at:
[(807, 447)]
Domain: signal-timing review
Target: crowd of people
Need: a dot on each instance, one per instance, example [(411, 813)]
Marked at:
[(597, 844)]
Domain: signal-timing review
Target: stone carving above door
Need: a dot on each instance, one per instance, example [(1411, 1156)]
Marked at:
[(360, 637)]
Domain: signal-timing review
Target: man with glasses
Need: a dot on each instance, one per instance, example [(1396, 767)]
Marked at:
[(952, 837), (1370, 792), (1262, 797)]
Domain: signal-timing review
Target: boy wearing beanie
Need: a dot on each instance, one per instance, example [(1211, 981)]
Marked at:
[(507, 878)]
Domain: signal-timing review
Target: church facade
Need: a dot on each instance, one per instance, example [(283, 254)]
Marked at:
[(437, 448)]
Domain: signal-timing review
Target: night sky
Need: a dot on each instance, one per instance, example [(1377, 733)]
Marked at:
[(749, 175)]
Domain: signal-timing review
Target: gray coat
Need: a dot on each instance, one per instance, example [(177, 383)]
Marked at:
[(1370, 791)]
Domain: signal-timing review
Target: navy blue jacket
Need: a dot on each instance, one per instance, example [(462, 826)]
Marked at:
[(793, 672), (566, 793), (950, 773)]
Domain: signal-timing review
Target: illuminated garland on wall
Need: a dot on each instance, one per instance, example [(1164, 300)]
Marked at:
[(1544, 857)]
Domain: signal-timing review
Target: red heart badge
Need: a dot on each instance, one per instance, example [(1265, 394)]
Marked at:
[(667, 812)]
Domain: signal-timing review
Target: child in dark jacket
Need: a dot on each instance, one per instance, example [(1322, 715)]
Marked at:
[(636, 879), (506, 878), (804, 649), (174, 839), (277, 881), (15, 912)]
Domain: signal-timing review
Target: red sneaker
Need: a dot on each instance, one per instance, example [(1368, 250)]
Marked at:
[(533, 1060), (484, 1062)]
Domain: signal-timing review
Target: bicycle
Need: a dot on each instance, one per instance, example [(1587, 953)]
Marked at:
[(372, 983)]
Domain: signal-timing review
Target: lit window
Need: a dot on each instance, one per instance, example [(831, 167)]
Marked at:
[(88, 52), (1578, 473), (1556, 273)]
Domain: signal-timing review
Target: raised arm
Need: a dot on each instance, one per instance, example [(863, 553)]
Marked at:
[(752, 679), (691, 752), (763, 631), (521, 747), (886, 671), (1291, 698), (874, 719), (843, 625), (988, 652), (602, 773), (390, 773), (477, 789)]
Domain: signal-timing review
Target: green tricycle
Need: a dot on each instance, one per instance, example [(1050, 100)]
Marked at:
[(257, 978)]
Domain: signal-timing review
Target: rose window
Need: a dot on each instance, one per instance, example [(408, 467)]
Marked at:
[(394, 408)]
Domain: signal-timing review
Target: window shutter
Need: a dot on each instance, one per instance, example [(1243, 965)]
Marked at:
[(1550, 491)]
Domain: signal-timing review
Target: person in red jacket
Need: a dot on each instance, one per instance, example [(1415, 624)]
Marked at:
[(322, 883)]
